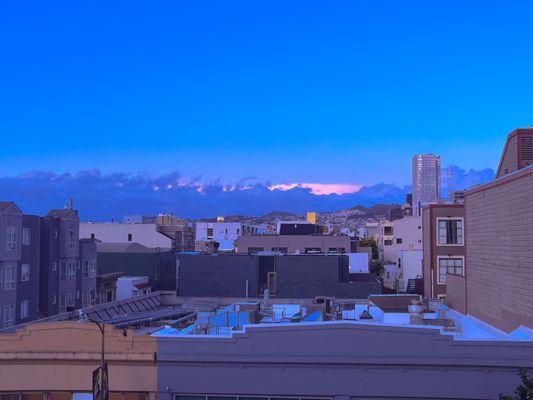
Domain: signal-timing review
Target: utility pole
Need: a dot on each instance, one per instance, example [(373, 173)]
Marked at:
[(100, 383)]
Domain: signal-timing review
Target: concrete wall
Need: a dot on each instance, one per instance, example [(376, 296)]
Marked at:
[(145, 234), (340, 360), (217, 275), (500, 251)]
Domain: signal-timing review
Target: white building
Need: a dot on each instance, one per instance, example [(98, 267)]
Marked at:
[(224, 233), (400, 243), (112, 232), (426, 180), (132, 286)]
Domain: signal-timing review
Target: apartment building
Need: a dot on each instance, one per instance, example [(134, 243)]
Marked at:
[(10, 260), (498, 284), (444, 249), (60, 259), (223, 234), (28, 282)]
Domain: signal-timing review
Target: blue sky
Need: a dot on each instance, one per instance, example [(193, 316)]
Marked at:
[(302, 91)]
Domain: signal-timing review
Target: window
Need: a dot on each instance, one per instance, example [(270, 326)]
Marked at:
[(130, 237), (254, 250), (54, 234), (387, 230), (85, 270), (210, 233), (453, 266), (387, 242), (25, 273), (9, 315), (92, 297), (54, 266), (72, 239), (9, 277), (24, 309), (399, 241), (311, 250), (62, 271), (71, 271), (62, 302), (26, 236), (92, 269), (54, 299), (450, 231), (92, 236), (283, 250), (11, 237)]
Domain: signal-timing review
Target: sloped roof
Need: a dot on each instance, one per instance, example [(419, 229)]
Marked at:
[(4, 205), (123, 247), (65, 213)]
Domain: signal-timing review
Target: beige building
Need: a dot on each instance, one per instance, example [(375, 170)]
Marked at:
[(293, 244), (26, 365), (497, 287)]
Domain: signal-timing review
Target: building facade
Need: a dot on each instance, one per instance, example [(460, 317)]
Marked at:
[(28, 282), (444, 249), (10, 261), (293, 244), (146, 234), (425, 180)]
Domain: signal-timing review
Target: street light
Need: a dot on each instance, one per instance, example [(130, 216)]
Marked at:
[(100, 382)]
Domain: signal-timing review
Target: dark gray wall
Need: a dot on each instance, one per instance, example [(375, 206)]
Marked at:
[(303, 276), (217, 275), (340, 360), (160, 267), (49, 278)]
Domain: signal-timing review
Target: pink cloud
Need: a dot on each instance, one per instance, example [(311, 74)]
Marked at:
[(320, 188)]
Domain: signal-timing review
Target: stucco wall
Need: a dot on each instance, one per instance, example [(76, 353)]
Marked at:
[(340, 360)]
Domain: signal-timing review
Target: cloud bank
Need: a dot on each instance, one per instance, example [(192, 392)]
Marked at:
[(105, 197)]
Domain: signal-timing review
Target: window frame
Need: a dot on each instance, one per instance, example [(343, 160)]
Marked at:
[(11, 282), (25, 274), (439, 258), (26, 236), (437, 231)]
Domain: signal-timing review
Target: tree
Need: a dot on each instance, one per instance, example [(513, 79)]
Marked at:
[(524, 391)]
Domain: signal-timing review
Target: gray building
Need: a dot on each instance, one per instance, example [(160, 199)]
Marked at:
[(285, 276), (59, 261), (426, 180), (29, 276), (86, 274), (10, 260)]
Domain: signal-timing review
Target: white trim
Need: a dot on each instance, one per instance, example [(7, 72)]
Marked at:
[(438, 244), (447, 258)]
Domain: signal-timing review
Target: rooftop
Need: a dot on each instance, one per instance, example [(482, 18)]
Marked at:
[(405, 311)]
